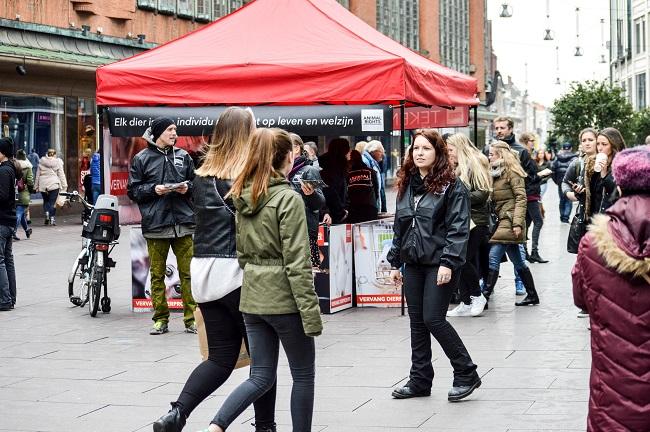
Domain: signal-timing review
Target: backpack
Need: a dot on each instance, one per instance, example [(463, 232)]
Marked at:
[(20, 184)]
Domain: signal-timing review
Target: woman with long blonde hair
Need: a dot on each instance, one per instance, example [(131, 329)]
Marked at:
[(216, 275), (278, 300), (510, 204), (472, 168)]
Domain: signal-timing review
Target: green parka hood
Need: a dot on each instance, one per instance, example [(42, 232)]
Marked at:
[(244, 203)]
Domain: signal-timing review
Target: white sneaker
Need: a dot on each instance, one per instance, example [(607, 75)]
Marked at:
[(461, 310), (478, 305)]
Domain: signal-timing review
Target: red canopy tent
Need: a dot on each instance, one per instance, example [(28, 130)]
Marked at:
[(285, 52)]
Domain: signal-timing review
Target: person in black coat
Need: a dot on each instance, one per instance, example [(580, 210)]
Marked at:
[(334, 166), (559, 167), (431, 231), (363, 191), (8, 175), (305, 179)]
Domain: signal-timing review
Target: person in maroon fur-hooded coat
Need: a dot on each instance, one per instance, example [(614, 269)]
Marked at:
[(611, 280)]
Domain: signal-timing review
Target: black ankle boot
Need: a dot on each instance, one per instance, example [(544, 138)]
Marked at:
[(267, 428), (531, 298), (173, 421), (490, 283), (534, 257)]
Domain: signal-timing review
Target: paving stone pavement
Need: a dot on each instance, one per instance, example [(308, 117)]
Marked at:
[(63, 371)]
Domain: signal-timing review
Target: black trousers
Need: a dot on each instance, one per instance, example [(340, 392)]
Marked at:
[(427, 305), (225, 328), (534, 216), (470, 272)]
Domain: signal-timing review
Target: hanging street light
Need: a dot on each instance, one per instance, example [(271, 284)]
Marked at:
[(548, 35), (557, 65), (578, 52), (602, 40), (506, 10)]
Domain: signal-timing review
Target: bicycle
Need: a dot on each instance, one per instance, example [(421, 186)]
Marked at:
[(100, 232)]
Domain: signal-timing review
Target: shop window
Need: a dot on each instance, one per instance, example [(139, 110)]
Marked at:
[(185, 8), (147, 4), (167, 7), (203, 10), (87, 137), (35, 123), (640, 91)]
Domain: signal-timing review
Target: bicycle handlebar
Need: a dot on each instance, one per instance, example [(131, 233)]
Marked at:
[(75, 196)]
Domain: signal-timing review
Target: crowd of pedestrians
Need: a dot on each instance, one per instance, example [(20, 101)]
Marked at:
[(254, 213), (244, 227)]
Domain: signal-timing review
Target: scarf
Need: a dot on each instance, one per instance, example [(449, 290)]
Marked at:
[(417, 185), (496, 168)]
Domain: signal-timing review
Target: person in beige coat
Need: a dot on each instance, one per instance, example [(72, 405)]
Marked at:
[(50, 179), (509, 199)]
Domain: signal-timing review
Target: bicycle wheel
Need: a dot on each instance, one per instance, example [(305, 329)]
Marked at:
[(95, 288), (77, 286)]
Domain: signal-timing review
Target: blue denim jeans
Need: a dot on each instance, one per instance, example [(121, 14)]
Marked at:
[(522, 252), (7, 269), (565, 206), (49, 201), (265, 333), (514, 255), (97, 191), (21, 217)]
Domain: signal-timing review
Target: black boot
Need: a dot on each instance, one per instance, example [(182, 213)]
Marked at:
[(531, 294), (534, 257), (173, 421), (267, 428), (490, 283)]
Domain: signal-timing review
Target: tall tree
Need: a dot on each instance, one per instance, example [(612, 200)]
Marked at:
[(594, 104), (641, 126)]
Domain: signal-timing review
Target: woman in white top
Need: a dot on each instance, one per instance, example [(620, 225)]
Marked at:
[(216, 275), (50, 180)]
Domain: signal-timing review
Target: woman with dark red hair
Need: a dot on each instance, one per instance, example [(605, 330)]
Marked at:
[(431, 228)]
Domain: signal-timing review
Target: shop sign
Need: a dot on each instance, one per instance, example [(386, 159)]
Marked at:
[(119, 180), (43, 117), (327, 120), (434, 117)]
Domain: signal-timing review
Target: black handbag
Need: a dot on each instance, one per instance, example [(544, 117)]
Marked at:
[(493, 218), (576, 231)]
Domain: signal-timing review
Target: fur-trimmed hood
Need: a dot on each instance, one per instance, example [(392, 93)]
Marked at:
[(622, 236)]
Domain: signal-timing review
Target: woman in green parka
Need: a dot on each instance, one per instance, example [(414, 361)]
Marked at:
[(23, 195), (278, 299), (509, 198)]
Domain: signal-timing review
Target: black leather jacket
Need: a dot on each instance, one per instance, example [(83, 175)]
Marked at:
[(215, 234), (151, 167), (533, 182), (314, 202), (433, 233)]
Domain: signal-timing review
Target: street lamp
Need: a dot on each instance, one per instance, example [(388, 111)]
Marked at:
[(578, 52), (548, 35), (506, 10), (557, 65), (602, 40)]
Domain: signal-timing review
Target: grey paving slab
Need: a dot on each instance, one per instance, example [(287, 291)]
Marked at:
[(108, 374)]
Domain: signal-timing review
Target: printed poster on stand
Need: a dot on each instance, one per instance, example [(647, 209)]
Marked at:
[(141, 276), (333, 279), (372, 241)]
